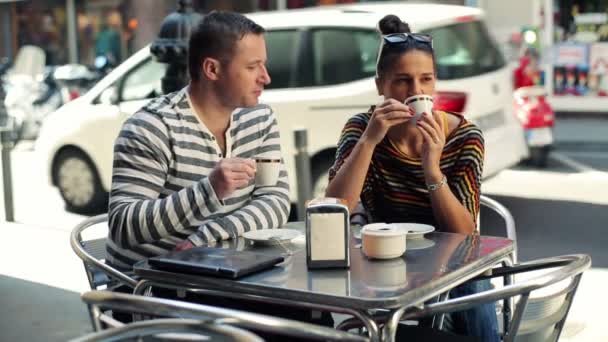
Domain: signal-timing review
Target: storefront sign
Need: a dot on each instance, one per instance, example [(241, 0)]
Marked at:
[(571, 54)]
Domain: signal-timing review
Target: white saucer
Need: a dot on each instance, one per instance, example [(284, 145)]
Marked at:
[(414, 230), (271, 236)]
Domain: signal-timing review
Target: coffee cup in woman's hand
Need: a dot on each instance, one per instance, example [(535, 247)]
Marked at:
[(420, 104)]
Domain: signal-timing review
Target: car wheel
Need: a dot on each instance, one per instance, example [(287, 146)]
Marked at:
[(79, 183), (320, 177)]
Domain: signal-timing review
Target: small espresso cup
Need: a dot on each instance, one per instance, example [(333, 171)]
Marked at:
[(420, 104), (267, 171)]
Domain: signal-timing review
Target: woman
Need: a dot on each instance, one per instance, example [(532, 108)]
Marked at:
[(426, 170)]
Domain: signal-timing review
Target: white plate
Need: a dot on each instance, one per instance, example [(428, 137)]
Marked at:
[(271, 236), (414, 230)]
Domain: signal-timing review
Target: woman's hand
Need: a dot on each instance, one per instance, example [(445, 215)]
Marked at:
[(431, 127), (390, 113)]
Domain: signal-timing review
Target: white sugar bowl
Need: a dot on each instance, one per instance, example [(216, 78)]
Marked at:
[(382, 241)]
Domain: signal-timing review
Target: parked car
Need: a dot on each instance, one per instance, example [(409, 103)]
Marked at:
[(322, 65)]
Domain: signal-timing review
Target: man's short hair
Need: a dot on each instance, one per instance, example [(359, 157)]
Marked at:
[(216, 36)]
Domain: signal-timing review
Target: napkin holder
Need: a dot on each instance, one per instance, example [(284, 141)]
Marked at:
[(327, 234)]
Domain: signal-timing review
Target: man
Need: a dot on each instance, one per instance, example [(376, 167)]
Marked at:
[(183, 171)]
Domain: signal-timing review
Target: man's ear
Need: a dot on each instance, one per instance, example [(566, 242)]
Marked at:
[(379, 86), (211, 68)]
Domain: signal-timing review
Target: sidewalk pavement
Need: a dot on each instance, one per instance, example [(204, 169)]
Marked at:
[(40, 284)]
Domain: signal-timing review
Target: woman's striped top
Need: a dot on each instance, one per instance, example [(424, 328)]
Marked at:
[(161, 192), (395, 190)]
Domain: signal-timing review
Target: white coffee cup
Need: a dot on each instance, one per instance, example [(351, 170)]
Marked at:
[(267, 171), (420, 104), (382, 241)]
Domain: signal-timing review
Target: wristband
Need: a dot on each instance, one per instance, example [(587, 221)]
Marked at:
[(433, 187)]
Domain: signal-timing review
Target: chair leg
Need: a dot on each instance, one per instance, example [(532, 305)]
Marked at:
[(569, 298), (508, 303), (517, 317), (439, 319), (94, 313)]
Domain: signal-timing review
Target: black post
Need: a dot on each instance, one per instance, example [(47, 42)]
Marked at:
[(303, 176), (171, 46), (6, 139)]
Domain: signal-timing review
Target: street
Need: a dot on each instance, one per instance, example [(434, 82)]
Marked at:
[(562, 209)]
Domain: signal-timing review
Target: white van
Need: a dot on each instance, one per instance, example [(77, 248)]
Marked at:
[(322, 64)]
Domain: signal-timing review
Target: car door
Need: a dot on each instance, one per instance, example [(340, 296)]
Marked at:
[(131, 92), (321, 76)]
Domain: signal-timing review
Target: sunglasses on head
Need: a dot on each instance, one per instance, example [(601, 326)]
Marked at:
[(402, 38)]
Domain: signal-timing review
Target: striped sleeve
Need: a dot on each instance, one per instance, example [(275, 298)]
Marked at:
[(269, 206), (465, 178), (137, 213), (351, 133)]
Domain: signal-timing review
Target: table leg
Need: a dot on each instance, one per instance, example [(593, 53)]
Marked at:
[(508, 303), (141, 287), (370, 325), (390, 327)]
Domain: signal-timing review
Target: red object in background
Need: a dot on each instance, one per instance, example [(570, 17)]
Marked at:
[(74, 94), (532, 109), (520, 77), (450, 101)]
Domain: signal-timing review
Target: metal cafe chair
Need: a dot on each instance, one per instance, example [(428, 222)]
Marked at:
[(548, 272), (92, 252), (209, 316), (505, 214), (166, 329)]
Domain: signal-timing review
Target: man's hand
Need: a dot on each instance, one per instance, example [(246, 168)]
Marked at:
[(182, 246), (231, 174)]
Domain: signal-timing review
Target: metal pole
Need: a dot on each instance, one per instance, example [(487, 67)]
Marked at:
[(7, 37), (6, 140), (281, 5), (72, 38), (303, 176), (548, 45)]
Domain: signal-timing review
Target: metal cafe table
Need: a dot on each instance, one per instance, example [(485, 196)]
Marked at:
[(430, 267)]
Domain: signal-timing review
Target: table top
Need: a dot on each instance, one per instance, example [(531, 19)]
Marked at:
[(429, 267)]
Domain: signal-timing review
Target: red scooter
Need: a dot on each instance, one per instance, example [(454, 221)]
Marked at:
[(538, 120)]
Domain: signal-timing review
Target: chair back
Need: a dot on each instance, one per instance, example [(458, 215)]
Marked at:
[(157, 307), (93, 254), (505, 214), (556, 270)]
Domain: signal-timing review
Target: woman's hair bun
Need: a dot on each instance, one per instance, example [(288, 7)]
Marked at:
[(392, 24)]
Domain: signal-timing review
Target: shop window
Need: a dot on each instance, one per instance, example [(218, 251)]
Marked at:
[(282, 49), (343, 55), (464, 50), (144, 82)]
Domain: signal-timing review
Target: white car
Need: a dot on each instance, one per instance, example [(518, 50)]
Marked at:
[(322, 62)]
